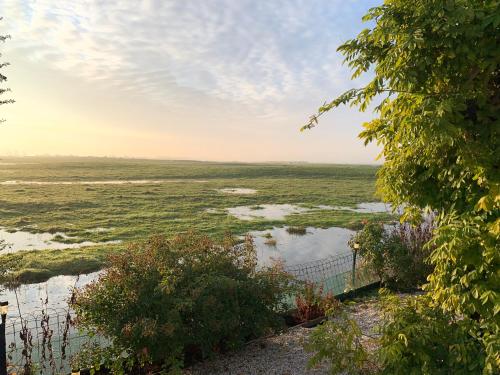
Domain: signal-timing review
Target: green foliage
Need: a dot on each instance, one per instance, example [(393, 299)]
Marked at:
[(299, 231), (173, 300), (436, 74), (397, 255), (420, 338), (338, 342), (132, 212), (103, 360), (3, 79)]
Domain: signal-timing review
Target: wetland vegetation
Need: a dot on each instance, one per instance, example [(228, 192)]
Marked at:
[(64, 196)]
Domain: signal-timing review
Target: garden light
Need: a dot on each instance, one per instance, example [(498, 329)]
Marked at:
[(4, 306)]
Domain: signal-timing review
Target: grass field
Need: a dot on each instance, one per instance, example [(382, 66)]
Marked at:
[(131, 212)]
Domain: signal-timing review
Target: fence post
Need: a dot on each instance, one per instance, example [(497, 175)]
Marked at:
[(355, 253), (3, 341)]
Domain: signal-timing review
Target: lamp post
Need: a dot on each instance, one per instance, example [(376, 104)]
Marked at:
[(355, 248), (3, 345)]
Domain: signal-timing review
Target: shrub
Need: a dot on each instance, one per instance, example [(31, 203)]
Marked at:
[(313, 303), (419, 338), (171, 301), (338, 342), (298, 231), (416, 337), (396, 254)]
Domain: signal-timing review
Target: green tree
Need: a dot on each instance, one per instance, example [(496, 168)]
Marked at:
[(3, 90), (436, 91), (3, 78)]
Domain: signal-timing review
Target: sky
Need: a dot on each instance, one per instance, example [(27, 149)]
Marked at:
[(227, 80)]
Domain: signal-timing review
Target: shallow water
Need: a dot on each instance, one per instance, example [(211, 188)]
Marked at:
[(30, 296), (21, 241), (369, 207), (280, 211), (243, 191), (317, 243), (97, 230), (104, 182), (265, 211)]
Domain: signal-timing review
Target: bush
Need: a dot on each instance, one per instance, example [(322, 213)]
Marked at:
[(397, 254), (419, 338), (338, 342), (416, 337), (172, 301), (298, 231), (312, 303)]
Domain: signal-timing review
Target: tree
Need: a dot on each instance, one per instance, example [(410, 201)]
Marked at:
[(3, 79), (3, 90), (436, 87)]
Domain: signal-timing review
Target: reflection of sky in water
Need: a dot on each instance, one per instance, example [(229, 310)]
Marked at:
[(365, 208), (280, 211), (293, 249), (237, 191), (101, 182), (20, 240), (265, 211), (30, 296)]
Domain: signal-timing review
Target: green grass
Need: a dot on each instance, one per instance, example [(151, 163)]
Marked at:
[(271, 242), (134, 212), (298, 231)]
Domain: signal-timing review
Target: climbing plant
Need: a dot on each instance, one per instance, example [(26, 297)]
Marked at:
[(435, 88)]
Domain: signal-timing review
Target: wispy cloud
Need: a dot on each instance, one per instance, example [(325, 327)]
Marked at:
[(252, 52)]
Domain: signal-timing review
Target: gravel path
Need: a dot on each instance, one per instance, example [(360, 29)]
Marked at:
[(282, 354)]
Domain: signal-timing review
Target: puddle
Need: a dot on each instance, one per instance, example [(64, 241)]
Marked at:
[(104, 182), (265, 211), (317, 243), (366, 208), (12, 163), (243, 191), (280, 211), (97, 230), (21, 241)]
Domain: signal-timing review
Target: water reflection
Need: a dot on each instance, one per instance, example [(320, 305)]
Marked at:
[(30, 296), (265, 211), (280, 211), (100, 182), (317, 243), (21, 240), (243, 191)]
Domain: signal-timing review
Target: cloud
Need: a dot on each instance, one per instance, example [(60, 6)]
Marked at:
[(257, 53)]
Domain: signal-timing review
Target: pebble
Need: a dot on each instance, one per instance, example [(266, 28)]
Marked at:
[(282, 354)]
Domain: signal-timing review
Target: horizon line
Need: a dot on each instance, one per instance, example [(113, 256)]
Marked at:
[(145, 158)]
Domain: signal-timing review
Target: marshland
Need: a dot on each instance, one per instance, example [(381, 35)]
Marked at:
[(53, 208)]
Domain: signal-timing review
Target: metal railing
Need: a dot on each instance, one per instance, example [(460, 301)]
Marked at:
[(45, 343), (337, 274)]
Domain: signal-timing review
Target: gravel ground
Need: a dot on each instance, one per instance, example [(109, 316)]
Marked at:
[(282, 354)]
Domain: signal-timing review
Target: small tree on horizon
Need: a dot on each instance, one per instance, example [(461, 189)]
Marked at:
[(3, 79), (3, 90)]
